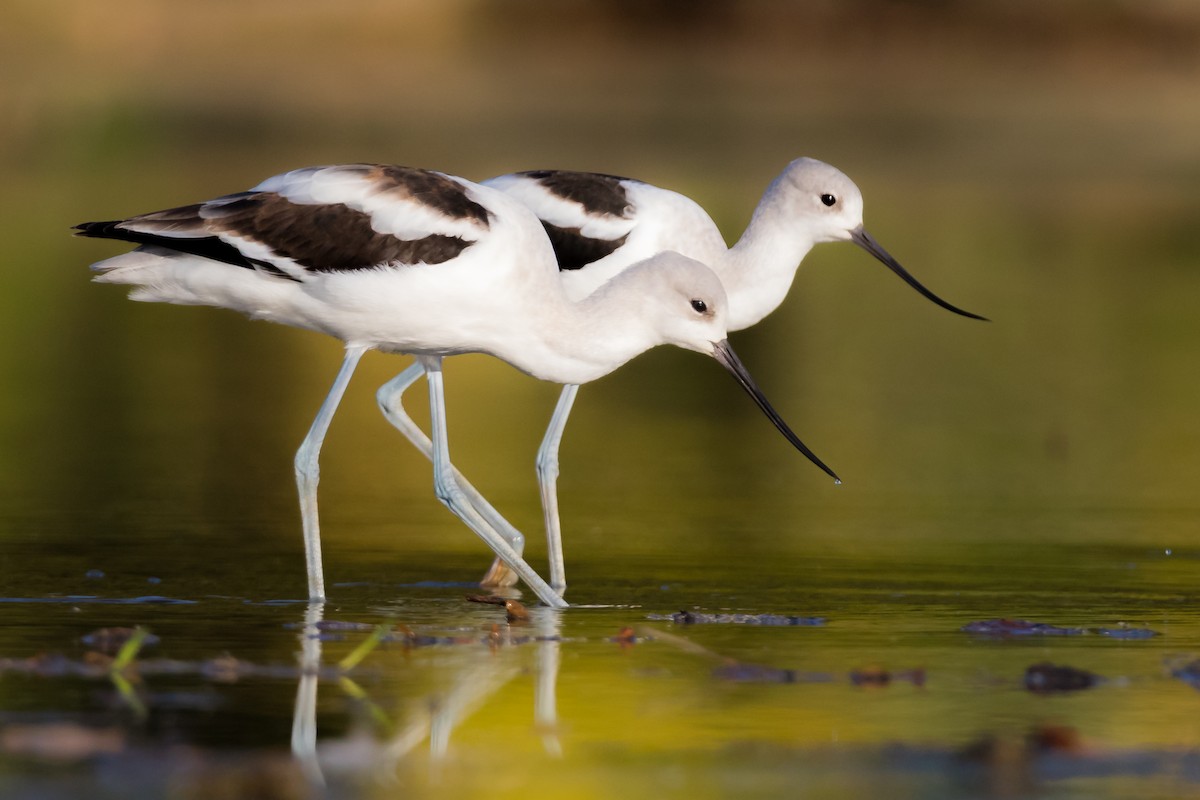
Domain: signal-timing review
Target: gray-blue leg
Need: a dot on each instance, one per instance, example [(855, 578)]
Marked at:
[(547, 470), (308, 472), (452, 495), (390, 398)]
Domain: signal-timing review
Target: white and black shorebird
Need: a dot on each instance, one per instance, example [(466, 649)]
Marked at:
[(601, 224), (412, 261)]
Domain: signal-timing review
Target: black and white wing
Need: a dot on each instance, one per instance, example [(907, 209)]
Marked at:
[(588, 216), (600, 224), (319, 219)]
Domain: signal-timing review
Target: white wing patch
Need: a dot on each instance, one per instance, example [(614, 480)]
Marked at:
[(561, 212), (366, 188)]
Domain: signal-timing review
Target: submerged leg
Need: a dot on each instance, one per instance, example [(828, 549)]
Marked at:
[(308, 472), (545, 690), (391, 402), (452, 495), (547, 470), (304, 714)]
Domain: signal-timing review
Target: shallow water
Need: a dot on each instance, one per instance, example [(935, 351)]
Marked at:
[(567, 703), (1040, 467)]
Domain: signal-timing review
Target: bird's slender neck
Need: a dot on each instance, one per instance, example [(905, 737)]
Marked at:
[(590, 338), (759, 269)]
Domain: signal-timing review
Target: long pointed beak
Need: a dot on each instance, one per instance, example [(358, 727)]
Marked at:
[(864, 240), (724, 354)]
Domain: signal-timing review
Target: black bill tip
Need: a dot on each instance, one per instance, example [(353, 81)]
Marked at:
[(864, 240), (724, 354)]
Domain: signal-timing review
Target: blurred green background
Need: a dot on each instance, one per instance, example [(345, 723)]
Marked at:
[(1034, 162)]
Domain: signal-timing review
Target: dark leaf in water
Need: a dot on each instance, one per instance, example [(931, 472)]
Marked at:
[(489, 599), (739, 672), (879, 676), (870, 676), (753, 673), (1126, 633), (333, 625), (1018, 627), (701, 618), (1021, 627), (1187, 671), (1046, 677)]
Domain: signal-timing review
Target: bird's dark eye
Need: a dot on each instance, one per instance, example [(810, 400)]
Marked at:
[(700, 306), (828, 199)]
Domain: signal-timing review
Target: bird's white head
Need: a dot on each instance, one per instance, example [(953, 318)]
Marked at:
[(828, 207), (684, 301), (822, 199)]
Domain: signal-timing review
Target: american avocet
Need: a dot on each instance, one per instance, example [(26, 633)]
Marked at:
[(411, 261), (600, 224)]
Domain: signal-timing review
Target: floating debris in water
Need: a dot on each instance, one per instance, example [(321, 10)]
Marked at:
[(225, 668), (1122, 631), (487, 599), (110, 640), (1015, 765), (410, 638), (334, 625), (61, 741), (874, 676), (738, 672), (81, 599), (1018, 627), (515, 612), (1021, 627), (879, 676), (627, 637), (1054, 739), (1045, 678), (1186, 671), (330, 630), (700, 618), (94, 574)]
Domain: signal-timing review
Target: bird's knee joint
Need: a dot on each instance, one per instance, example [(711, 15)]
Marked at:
[(384, 396), (448, 492), (308, 470), (547, 468)]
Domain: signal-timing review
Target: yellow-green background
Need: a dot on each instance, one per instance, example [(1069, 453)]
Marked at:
[(1038, 163)]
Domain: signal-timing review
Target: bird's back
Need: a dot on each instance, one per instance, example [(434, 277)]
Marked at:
[(387, 256), (601, 224)]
